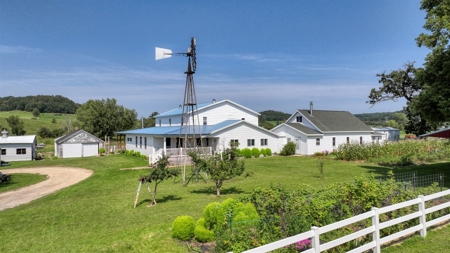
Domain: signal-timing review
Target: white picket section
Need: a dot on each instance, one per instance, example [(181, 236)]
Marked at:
[(315, 232)]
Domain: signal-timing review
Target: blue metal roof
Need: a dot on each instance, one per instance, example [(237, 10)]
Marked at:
[(175, 130)]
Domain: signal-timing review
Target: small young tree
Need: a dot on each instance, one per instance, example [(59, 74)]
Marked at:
[(159, 174), (16, 124), (220, 167), (36, 112)]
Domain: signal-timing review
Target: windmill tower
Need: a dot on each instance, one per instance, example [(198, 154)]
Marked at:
[(190, 138)]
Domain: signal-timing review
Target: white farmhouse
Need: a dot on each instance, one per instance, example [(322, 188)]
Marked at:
[(322, 130), (17, 148), (78, 143), (388, 133), (221, 122)]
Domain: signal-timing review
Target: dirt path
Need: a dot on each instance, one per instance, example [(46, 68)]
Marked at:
[(57, 178)]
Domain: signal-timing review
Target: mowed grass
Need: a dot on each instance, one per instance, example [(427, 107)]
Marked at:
[(97, 215), (20, 180)]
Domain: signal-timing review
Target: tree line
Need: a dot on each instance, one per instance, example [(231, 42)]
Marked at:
[(43, 103)]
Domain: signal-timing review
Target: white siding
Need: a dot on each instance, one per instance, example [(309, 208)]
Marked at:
[(242, 133), (90, 149), (71, 150), (11, 150), (293, 136), (214, 114), (305, 121)]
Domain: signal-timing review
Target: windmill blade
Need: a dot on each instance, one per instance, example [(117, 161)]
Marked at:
[(162, 53)]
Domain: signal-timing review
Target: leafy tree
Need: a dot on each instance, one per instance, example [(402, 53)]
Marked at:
[(402, 83), (54, 121), (16, 125), (150, 121), (104, 117), (434, 101), (392, 123), (36, 112), (401, 119), (160, 173), (44, 132), (220, 167)]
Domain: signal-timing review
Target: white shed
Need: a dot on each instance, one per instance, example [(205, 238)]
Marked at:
[(77, 144), (388, 133), (17, 148)]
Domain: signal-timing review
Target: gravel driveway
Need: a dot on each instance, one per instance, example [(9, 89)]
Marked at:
[(57, 178)]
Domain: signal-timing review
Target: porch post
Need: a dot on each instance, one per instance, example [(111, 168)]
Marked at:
[(164, 145)]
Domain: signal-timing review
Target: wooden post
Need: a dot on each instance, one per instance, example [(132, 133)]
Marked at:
[(137, 194)]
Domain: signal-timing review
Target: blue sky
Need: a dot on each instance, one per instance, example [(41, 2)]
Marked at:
[(277, 55)]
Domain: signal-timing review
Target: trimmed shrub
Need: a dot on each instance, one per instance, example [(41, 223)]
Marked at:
[(131, 152), (202, 234), (255, 152), (138, 154), (288, 149), (262, 151), (101, 150), (144, 157), (210, 214), (268, 152), (183, 227), (246, 152)]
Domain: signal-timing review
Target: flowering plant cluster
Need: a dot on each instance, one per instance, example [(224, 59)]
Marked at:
[(302, 245)]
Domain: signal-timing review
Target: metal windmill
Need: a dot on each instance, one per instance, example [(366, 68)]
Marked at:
[(190, 129)]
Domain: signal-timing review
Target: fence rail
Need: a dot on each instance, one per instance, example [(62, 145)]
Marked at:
[(374, 229)]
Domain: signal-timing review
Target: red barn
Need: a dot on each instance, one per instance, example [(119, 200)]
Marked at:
[(441, 133)]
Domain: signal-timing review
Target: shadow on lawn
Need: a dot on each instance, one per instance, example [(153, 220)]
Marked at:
[(422, 170), (223, 191), (163, 200)]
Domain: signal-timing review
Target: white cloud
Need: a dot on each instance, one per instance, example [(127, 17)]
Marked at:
[(18, 50)]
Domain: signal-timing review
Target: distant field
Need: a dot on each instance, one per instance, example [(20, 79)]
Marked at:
[(33, 124)]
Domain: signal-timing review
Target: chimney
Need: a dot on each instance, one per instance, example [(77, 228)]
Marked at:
[(214, 101), (310, 108), (4, 133)]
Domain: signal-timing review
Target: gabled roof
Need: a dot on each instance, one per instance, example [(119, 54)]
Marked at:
[(441, 133), (203, 106), (302, 128), (23, 139), (335, 121), (385, 129), (85, 137)]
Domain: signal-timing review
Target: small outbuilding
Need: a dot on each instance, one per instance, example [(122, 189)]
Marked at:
[(388, 133), (17, 148), (77, 144)]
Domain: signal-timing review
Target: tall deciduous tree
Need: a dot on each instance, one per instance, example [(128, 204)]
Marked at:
[(402, 83), (150, 121), (220, 167), (16, 125), (434, 101), (104, 117)]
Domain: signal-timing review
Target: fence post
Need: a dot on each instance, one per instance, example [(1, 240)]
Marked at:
[(423, 217), (315, 240), (376, 233)]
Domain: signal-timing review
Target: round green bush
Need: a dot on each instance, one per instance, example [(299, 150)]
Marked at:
[(183, 227), (288, 149), (262, 151), (246, 152), (101, 150), (210, 214), (138, 154), (268, 152), (255, 152), (202, 234)]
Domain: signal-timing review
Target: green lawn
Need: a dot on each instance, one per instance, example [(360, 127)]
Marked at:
[(97, 215), (20, 180)]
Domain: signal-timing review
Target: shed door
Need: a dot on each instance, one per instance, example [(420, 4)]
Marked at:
[(297, 145), (90, 149)]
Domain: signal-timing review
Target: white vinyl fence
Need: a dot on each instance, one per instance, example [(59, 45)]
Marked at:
[(315, 232)]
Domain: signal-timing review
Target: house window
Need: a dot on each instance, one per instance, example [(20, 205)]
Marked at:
[(205, 121), (159, 122), (170, 122), (348, 140), (299, 118), (317, 141), (263, 142), (20, 151), (334, 141), (288, 139), (145, 142), (136, 141), (360, 140), (234, 142), (140, 142), (250, 142), (243, 118), (3, 151)]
